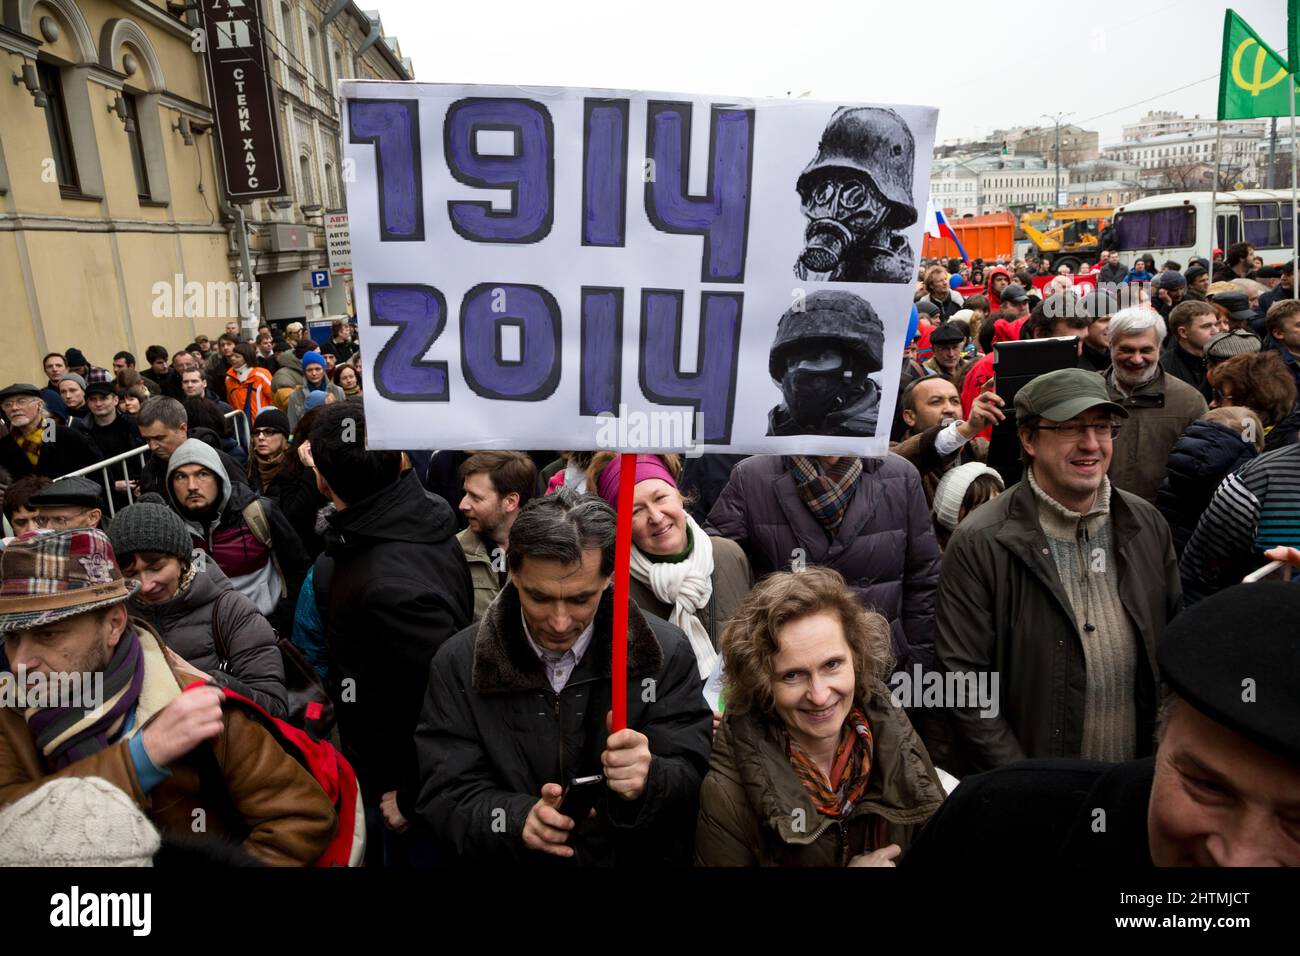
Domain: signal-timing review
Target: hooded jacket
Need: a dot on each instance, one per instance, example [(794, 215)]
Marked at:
[(269, 577), (995, 303), (755, 812), (289, 818), (885, 547), (400, 589), (1158, 414), (289, 374), (185, 622), (493, 732), (153, 476)]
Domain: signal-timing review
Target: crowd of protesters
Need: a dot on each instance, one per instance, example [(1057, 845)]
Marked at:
[(1077, 603)]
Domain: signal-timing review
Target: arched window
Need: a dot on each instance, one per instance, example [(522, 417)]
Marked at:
[(331, 189), (309, 53), (286, 20), (304, 170)]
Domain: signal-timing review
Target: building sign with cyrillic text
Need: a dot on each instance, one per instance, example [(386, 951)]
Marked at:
[(248, 140)]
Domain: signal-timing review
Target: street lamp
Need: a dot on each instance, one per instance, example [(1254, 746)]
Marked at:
[(1056, 121)]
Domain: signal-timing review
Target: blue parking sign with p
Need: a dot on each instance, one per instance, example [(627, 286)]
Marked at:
[(320, 279)]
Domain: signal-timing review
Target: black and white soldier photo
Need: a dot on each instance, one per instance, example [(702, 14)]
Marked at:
[(857, 194), (825, 348)]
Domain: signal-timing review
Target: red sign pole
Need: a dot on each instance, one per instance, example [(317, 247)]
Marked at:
[(622, 570)]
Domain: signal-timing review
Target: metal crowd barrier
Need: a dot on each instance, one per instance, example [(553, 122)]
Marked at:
[(241, 433)]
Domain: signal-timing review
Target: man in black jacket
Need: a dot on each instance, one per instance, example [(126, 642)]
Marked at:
[(1191, 326), (1219, 791), (518, 708), (400, 589), (36, 444), (113, 433), (1112, 272)]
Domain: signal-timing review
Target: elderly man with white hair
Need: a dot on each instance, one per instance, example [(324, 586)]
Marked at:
[(1160, 406)]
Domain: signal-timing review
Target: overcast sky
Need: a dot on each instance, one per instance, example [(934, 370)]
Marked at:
[(983, 64)]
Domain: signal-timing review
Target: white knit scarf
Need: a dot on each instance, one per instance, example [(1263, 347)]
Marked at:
[(687, 585)]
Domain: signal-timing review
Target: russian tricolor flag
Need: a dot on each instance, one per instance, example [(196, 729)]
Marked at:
[(936, 225)]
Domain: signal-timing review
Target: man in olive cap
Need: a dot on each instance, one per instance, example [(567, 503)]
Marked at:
[(1062, 587), (825, 348), (1220, 790)]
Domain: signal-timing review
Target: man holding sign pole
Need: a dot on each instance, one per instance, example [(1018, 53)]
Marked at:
[(517, 717)]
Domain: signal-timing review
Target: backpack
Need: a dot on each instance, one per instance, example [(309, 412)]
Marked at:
[(327, 767), (309, 704), (258, 523)]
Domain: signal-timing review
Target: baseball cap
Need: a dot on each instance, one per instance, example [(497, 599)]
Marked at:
[(1014, 294)]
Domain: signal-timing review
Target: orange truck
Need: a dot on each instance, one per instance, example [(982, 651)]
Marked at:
[(983, 237)]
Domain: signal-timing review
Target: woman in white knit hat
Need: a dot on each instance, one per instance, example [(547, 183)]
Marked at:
[(961, 491)]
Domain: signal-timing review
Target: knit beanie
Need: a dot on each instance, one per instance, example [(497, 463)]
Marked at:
[(74, 377), (272, 418), (314, 399), (76, 821), (149, 525), (952, 488), (312, 358)]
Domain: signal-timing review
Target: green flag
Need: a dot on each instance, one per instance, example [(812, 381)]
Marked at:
[(1251, 77)]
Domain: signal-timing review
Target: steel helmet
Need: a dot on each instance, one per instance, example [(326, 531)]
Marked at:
[(836, 317), (874, 141)]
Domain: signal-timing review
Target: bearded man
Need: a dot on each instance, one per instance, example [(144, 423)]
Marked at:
[(1160, 406)]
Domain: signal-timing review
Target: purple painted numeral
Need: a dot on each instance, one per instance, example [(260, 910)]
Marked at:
[(393, 126), (602, 345), (486, 309), (711, 389), (529, 174), (722, 214), (604, 172), (401, 371)]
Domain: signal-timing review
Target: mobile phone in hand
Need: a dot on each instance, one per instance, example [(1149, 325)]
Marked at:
[(580, 797)]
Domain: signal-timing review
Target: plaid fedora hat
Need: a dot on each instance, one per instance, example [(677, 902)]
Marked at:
[(48, 576)]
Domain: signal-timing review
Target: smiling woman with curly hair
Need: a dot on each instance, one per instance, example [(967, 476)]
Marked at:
[(813, 764)]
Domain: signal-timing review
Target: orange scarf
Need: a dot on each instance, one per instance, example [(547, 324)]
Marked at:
[(849, 772)]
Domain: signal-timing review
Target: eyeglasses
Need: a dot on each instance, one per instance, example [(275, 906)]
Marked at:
[(1075, 430), (264, 432), (61, 522)]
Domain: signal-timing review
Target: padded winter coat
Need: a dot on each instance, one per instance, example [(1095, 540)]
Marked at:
[(185, 622), (885, 547), (1206, 454)]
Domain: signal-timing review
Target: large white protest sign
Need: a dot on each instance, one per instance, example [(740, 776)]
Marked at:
[(728, 273)]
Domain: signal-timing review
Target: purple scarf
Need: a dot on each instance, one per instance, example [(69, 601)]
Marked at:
[(90, 733)]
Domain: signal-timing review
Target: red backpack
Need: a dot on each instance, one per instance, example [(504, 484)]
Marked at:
[(327, 766)]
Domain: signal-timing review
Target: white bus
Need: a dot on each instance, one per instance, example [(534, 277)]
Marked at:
[(1177, 225)]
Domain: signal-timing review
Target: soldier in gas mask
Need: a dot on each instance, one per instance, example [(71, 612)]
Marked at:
[(856, 193), (825, 348)]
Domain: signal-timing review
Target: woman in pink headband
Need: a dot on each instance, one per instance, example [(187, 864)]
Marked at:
[(679, 572)]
